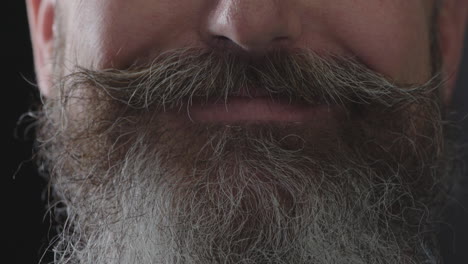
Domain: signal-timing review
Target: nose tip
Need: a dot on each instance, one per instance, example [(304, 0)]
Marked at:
[(253, 25)]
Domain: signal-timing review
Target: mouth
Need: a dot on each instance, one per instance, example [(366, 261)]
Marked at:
[(255, 109), (255, 105)]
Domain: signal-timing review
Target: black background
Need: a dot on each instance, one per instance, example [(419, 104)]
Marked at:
[(25, 226)]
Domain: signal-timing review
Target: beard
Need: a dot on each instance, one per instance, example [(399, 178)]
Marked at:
[(139, 182)]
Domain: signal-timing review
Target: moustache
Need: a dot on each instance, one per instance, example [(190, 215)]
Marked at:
[(176, 77)]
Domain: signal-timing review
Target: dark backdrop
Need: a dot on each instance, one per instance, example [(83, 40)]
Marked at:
[(25, 229)]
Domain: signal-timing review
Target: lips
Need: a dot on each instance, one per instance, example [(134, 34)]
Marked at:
[(255, 109)]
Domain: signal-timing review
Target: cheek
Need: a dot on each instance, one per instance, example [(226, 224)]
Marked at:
[(393, 39), (113, 33), (390, 36)]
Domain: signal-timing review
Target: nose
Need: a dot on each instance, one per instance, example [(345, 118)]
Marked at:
[(254, 25)]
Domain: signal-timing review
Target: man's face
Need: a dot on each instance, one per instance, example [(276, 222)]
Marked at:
[(391, 37), (244, 131)]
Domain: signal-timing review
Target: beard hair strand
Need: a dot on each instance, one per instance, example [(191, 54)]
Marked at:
[(141, 188)]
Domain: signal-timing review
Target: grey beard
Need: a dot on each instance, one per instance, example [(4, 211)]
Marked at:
[(254, 203), (140, 188)]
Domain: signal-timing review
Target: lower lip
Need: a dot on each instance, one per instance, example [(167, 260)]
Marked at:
[(257, 109)]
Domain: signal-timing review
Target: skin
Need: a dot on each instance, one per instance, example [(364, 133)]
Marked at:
[(390, 36)]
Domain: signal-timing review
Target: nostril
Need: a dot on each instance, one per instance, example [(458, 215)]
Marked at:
[(226, 43), (221, 38), (252, 25), (223, 42)]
